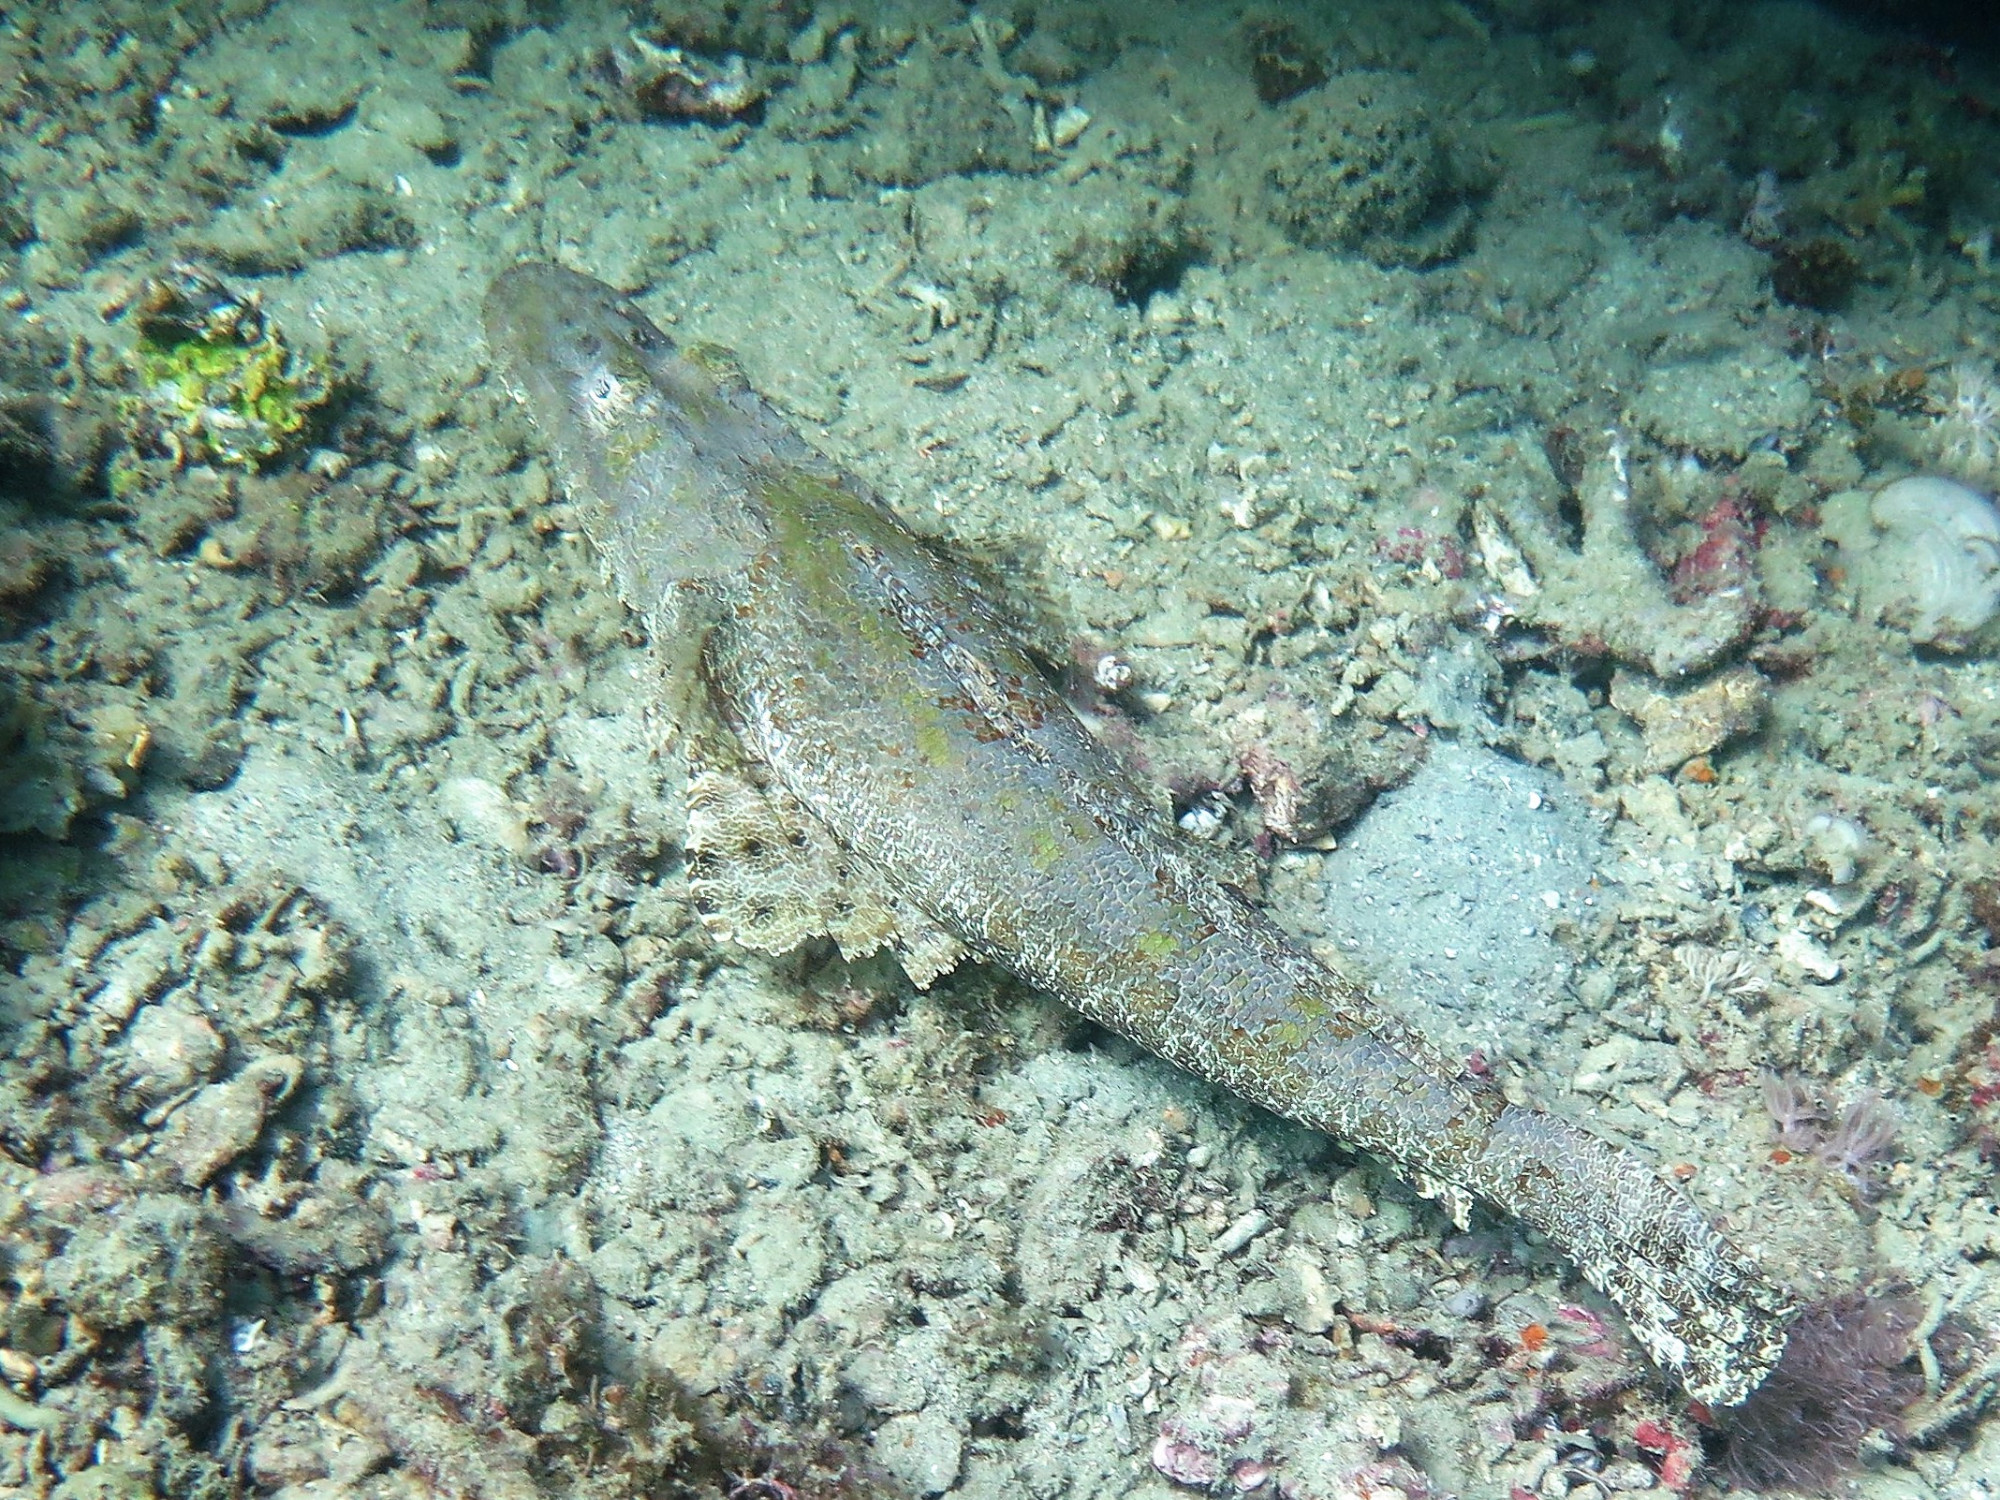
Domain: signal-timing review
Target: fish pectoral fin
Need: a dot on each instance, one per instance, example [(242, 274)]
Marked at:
[(758, 876), (767, 876), (926, 951)]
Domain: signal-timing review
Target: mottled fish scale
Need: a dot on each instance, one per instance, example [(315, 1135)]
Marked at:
[(862, 674)]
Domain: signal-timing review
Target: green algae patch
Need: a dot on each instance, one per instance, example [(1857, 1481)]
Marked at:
[(1284, 1036), (1045, 850), (217, 382), (934, 744)]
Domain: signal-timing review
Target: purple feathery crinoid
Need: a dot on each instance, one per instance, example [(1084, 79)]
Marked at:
[(1843, 1375)]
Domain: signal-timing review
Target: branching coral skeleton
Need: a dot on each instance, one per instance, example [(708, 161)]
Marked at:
[(1606, 595)]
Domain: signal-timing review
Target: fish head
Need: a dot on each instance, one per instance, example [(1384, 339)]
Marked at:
[(657, 447)]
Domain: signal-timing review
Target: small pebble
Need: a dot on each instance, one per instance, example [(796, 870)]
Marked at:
[(1242, 1232), (1068, 125), (1466, 1302)]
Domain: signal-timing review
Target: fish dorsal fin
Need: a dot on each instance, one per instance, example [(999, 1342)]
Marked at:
[(766, 874)]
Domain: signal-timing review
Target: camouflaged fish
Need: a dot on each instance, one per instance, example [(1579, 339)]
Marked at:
[(875, 758)]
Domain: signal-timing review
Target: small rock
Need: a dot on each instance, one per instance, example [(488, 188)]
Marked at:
[(1178, 623), (409, 121), (1242, 1232), (1600, 1066), (157, 1260), (1467, 1302), (169, 1048), (923, 1450), (1626, 1474), (223, 1121), (1380, 1425), (1307, 1300), (1808, 955), (1068, 125), (282, 1455), (785, 1257), (113, 1479), (1183, 1460), (483, 814), (1655, 806), (808, 46), (1679, 726), (889, 1380)]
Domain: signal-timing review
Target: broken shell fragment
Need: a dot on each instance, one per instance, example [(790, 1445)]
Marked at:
[(669, 84), (1808, 955), (1068, 126)]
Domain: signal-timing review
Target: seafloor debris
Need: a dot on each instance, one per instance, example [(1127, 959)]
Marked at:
[(1606, 596), (668, 83)]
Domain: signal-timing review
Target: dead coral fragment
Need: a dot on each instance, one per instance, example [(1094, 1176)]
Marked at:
[(1607, 597)]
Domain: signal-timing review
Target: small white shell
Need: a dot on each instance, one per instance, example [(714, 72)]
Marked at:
[(483, 814), (1840, 845), (1936, 563), (1808, 955)]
